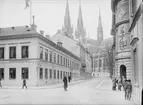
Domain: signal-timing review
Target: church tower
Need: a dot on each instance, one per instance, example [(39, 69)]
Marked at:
[(80, 32), (67, 29), (99, 30)]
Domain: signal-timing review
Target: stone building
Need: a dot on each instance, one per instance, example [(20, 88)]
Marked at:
[(100, 49), (78, 44), (136, 42), (128, 25), (120, 26), (26, 54)]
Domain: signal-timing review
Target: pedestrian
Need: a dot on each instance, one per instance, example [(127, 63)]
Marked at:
[(123, 81), (125, 88), (114, 84), (69, 78), (129, 89), (24, 84), (119, 84), (65, 80), (0, 82)]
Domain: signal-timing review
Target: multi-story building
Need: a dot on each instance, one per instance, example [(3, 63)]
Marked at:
[(136, 42), (128, 30), (76, 45), (100, 50), (120, 26), (26, 54)]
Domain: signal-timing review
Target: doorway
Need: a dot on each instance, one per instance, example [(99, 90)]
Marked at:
[(123, 71)]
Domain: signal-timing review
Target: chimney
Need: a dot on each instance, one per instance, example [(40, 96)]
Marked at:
[(59, 43), (33, 26), (47, 36), (42, 32)]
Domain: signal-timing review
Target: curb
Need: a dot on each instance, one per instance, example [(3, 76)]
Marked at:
[(38, 88)]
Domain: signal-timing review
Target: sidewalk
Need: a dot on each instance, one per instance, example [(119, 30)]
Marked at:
[(113, 97), (52, 86)]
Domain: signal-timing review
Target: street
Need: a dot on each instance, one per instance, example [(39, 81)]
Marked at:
[(96, 91)]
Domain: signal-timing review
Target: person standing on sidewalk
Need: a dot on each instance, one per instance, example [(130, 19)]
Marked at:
[(0, 83), (69, 78), (65, 80), (125, 88), (24, 84), (129, 89), (119, 84)]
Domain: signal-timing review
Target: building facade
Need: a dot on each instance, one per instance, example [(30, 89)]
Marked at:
[(78, 44), (136, 42), (120, 26), (26, 54), (131, 20)]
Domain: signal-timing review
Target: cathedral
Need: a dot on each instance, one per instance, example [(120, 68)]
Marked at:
[(93, 53), (101, 51)]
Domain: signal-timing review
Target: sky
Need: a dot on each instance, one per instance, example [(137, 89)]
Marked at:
[(49, 15)]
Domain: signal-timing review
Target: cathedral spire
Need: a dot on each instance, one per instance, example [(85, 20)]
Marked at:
[(67, 29), (99, 29), (80, 32)]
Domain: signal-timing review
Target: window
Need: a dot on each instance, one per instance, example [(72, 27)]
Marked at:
[(68, 63), (12, 73), (24, 73), (55, 57), (41, 53), (41, 73), (61, 60), (61, 75), (50, 56), (24, 51), (135, 61), (46, 73), (58, 59), (1, 73), (100, 63), (64, 61), (1, 52), (54, 74), (58, 74), (46, 55), (12, 53), (50, 73)]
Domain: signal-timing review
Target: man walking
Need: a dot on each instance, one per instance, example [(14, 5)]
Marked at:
[(129, 89), (65, 80), (69, 78), (0, 83), (24, 84)]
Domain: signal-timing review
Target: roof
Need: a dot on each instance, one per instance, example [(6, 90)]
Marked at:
[(26, 32), (95, 48), (18, 30), (107, 42), (92, 42)]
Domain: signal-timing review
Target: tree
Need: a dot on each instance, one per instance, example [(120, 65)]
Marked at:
[(109, 51)]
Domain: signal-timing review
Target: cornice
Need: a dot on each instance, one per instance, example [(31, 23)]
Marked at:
[(135, 18), (36, 35), (122, 22), (123, 58)]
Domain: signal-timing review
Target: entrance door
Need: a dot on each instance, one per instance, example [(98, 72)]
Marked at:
[(123, 71)]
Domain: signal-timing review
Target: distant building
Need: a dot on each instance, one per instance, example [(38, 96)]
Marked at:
[(26, 54), (100, 50), (76, 45)]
